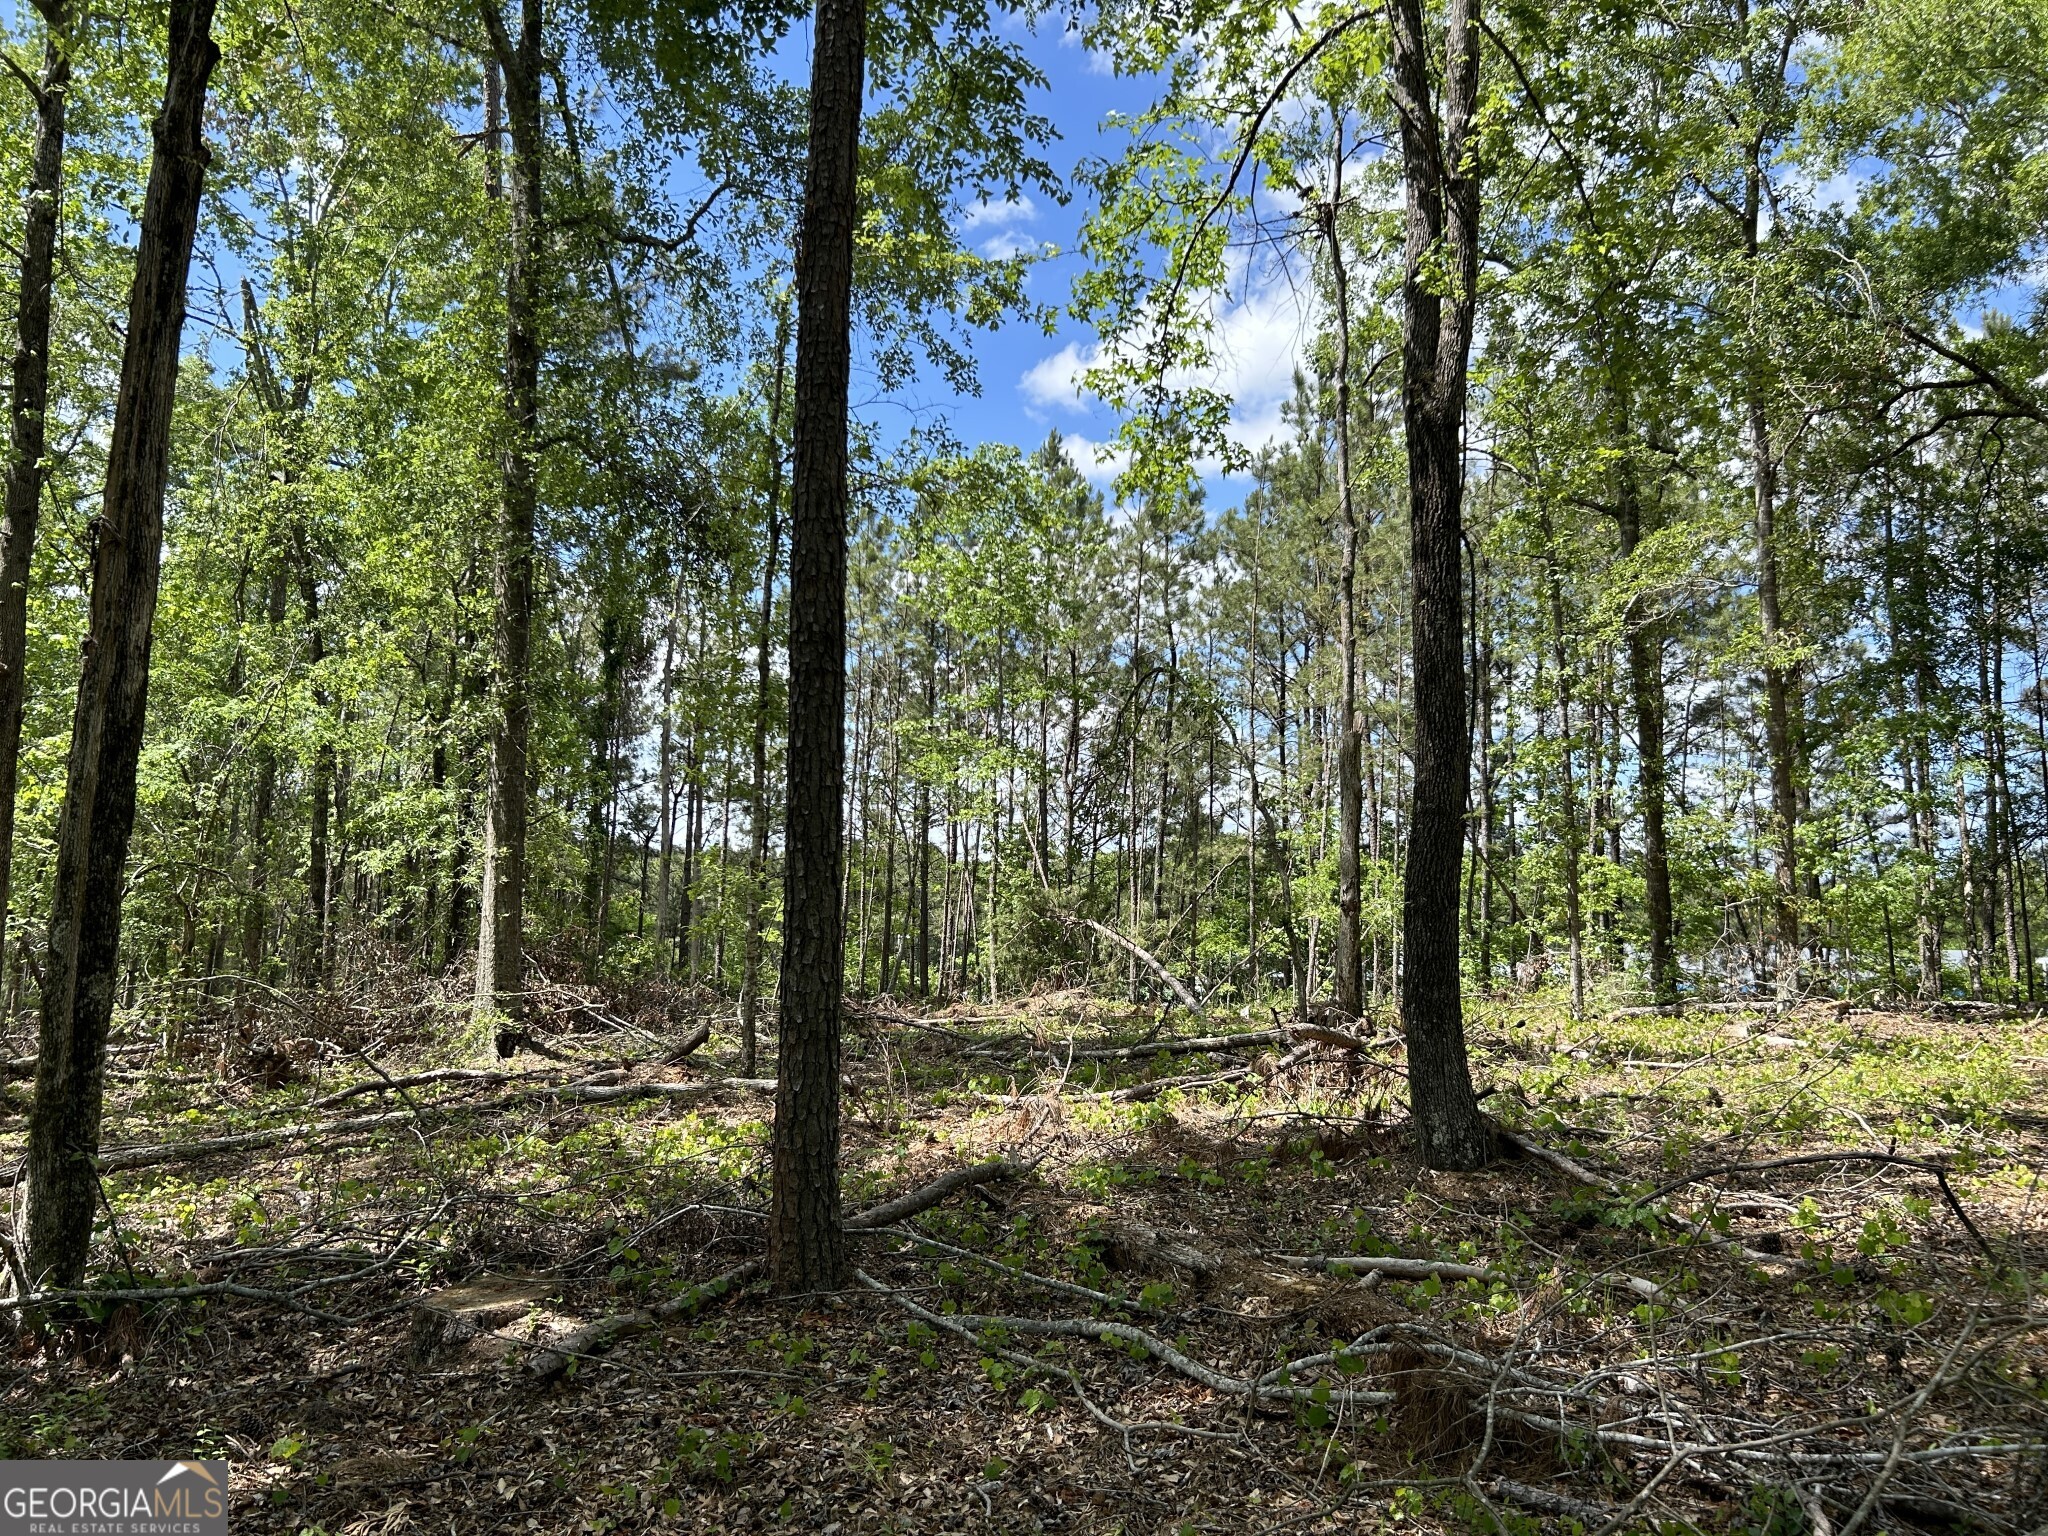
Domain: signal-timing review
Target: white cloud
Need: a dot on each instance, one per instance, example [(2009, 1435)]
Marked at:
[(1258, 335), (1001, 225), (1099, 463), (1054, 383)]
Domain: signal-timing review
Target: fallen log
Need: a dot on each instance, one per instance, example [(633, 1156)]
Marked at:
[(415, 1080), (1322, 1034), (157, 1154), (1141, 1092), (1170, 1046), (689, 1043), (1392, 1266), (1144, 957)]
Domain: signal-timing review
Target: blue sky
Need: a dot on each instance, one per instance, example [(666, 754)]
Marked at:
[(1027, 378)]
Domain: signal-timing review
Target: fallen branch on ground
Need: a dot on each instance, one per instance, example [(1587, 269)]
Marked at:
[(1174, 1047), (1139, 1092), (1267, 1388), (157, 1154), (689, 1043), (417, 1080), (1806, 1159), (592, 1338), (1392, 1266), (174, 1293)]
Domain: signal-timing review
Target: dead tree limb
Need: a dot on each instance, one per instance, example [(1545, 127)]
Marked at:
[(593, 1338), (1392, 1266), (1144, 957), (157, 1154), (1938, 1171)]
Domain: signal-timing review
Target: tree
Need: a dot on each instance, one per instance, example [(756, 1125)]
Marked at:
[(806, 1247), (28, 412), (113, 688), (501, 925), (1439, 295)]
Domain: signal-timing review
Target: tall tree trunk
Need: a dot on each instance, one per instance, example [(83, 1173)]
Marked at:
[(499, 968), (314, 965), (806, 1247), (256, 910), (665, 776), (106, 735), (28, 407), (1646, 690), (1778, 732), (1349, 988), (1442, 190), (757, 865)]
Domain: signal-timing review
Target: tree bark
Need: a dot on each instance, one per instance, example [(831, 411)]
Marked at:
[(1349, 988), (42, 205), (499, 970), (1646, 690), (106, 736), (1442, 226), (806, 1246)]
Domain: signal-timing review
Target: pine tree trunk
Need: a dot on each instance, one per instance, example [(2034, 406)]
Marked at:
[(28, 406), (665, 774), (806, 1246), (1442, 229), (1349, 988), (500, 924), (1646, 691), (757, 866), (98, 815)]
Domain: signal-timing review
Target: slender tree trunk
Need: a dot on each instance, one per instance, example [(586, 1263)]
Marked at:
[(313, 959), (256, 910), (98, 815), (1778, 732), (1442, 230), (757, 863), (1646, 689), (1349, 988), (28, 407), (665, 774), (806, 1246), (888, 978), (500, 925)]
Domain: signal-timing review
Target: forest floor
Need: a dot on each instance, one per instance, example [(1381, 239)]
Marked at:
[(358, 1296)]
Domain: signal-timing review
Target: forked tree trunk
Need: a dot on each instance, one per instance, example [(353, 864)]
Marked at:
[(806, 1248), (82, 967), (499, 970), (28, 408), (1442, 232)]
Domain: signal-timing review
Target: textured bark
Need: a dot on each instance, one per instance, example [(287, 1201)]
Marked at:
[(42, 202), (1442, 226), (499, 967), (806, 1247), (1646, 690), (1349, 984), (106, 737)]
